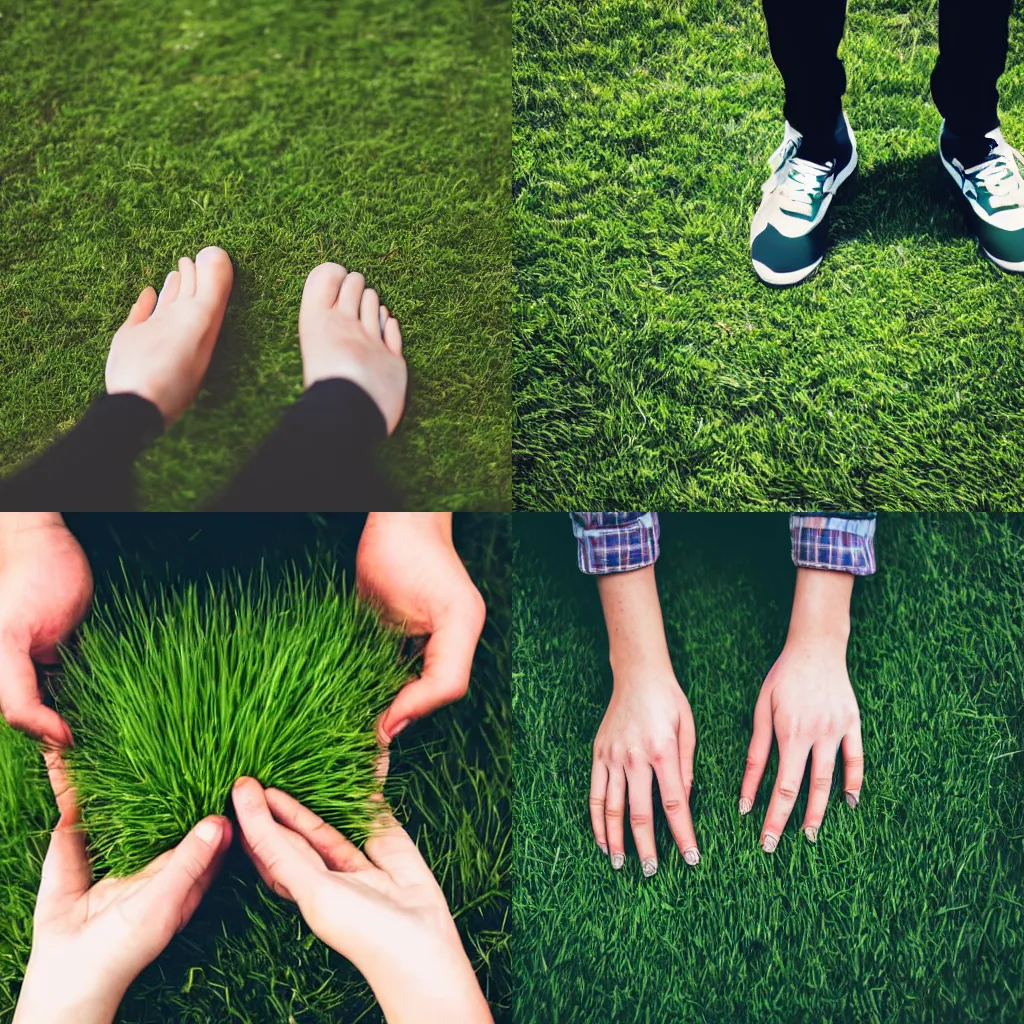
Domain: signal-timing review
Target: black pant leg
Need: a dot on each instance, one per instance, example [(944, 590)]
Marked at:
[(320, 458), (804, 36), (973, 39), (91, 468)]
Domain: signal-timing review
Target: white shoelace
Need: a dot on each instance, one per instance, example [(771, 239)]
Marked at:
[(799, 181), (1000, 175)]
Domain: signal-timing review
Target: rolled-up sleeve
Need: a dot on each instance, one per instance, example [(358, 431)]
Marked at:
[(842, 543), (610, 542)]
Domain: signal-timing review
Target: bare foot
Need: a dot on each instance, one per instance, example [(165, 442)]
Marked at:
[(162, 350), (345, 332)]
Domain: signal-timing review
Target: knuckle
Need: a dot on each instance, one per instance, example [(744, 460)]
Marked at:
[(855, 762), (821, 783), (787, 791), (639, 820), (753, 764), (596, 801), (613, 813), (672, 805)]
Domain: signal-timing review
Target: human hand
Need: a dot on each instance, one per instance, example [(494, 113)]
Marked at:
[(45, 591), (646, 732), (382, 909), (89, 942), (809, 703), (408, 566)]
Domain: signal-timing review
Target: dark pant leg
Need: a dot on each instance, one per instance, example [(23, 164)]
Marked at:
[(804, 36), (320, 458), (91, 468), (973, 38)]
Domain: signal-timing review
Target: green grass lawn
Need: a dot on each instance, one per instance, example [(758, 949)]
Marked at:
[(247, 957), (911, 908), (372, 134), (652, 368)]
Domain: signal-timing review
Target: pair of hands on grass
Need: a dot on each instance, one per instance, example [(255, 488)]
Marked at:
[(406, 564), (381, 909), (806, 702)]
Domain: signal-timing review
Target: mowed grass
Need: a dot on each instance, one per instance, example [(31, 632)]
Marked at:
[(652, 368), (246, 957), (376, 135), (910, 908)]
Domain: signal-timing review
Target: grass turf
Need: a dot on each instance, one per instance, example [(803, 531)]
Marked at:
[(302, 671), (910, 908), (375, 135), (652, 368), (246, 957)]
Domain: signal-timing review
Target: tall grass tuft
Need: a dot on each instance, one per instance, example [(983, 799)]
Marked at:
[(173, 694)]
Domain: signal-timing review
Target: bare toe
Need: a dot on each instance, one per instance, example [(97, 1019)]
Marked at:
[(369, 311), (351, 293), (323, 284), (393, 337), (214, 275), (169, 292), (187, 269)]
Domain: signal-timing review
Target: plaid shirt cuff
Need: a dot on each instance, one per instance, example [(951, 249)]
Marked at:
[(615, 541), (833, 542)]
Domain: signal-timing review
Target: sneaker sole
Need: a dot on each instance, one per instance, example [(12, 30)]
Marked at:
[(789, 278), (968, 214)]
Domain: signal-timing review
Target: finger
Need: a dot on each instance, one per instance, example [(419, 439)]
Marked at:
[(267, 840), (369, 312), (187, 270), (169, 292), (598, 787), (639, 780), (675, 797), (614, 812), (823, 763), (853, 765), (20, 702), (63, 791), (392, 850), (757, 753), (447, 663), (144, 306), (384, 314), (338, 853), (792, 761), (393, 337), (185, 876), (351, 293), (67, 873)]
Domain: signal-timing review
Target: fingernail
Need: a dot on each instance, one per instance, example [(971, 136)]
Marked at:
[(603, 848), (398, 728), (692, 856), (852, 797), (618, 859), (745, 805), (769, 843), (812, 834), (209, 831), (650, 866)]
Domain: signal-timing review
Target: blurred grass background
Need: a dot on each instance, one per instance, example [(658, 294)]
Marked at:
[(372, 134)]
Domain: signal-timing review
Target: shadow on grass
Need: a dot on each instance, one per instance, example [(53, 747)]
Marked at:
[(900, 200)]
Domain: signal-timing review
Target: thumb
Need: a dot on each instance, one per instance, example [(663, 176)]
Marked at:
[(143, 308), (186, 875), (447, 662), (20, 702)]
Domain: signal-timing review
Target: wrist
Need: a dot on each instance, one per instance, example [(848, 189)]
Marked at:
[(821, 608), (52, 1001)]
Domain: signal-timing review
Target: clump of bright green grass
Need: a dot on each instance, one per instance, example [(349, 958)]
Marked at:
[(173, 694), (26, 808)]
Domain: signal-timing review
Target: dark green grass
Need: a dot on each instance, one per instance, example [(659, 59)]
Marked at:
[(911, 908), (652, 368), (372, 134), (247, 957), (176, 693)]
